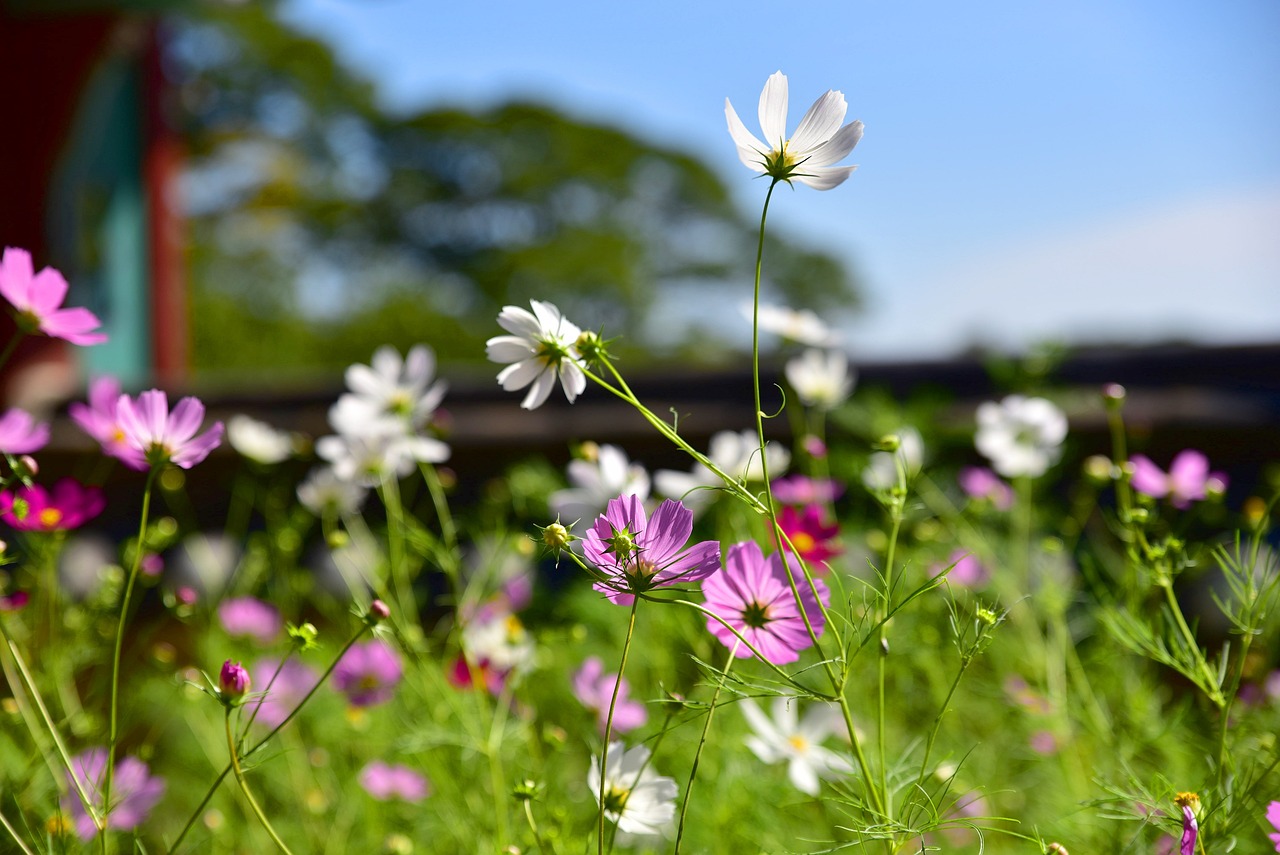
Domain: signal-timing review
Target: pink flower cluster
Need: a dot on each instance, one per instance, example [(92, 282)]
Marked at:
[(142, 432)]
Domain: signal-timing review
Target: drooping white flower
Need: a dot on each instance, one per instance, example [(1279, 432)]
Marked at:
[(1020, 436), (541, 349), (369, 457), (737, 454), (391, 390), (881, 472), (799, 325), (807, 156), (596, 481), (798, 741), (636, 797), (258, 440), (821, 378), (324, 492)]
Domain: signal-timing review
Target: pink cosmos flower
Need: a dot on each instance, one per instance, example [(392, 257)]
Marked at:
[(368, 673), (98, 417), (638, 553), (20, 433), (38, 298), (251, 618), (1273, 817), (15, 601), (386, 782), (966, 570), (1190, 830), (155, 436), (803, 490), (979, 482), (67, 506), (753, 596), (134, 792), (281, 689), (812, 537), (1185, 483), (594, 689)]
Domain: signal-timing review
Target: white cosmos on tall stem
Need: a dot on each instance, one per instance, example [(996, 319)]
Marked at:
[(541, 349), (808, 156)]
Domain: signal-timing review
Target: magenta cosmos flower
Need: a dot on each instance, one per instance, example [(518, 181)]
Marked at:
[(368, 673), (280, 689), (966, 570), (98, 417), (249, 617), (155, 436), (594, 689), (811, 535), (383, 781), (1185, 483), (20, 433), (803, 490), (1273, 817), (68, 505), (38, 298), (637, 553), (134, 792), (754, 597)]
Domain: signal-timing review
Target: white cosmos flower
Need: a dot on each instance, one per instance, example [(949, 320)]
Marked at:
[(637, 798), (821, 378), (258, 441), (807, 157), (597, 481), (369, 457), (737, 454), (798, 742), (541, 349), (1020, 436), (882, 467), (390, 389), (798, 325), (324, 492)]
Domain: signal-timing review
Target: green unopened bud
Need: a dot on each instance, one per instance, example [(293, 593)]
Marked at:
[(337, 539), (525, 790), (1099, 469), (590, 346), (889, 442), (987, 616), (1056, 849), (557, 537)]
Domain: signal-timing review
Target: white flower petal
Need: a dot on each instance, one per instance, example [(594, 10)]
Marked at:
[(803, 777), (508, 348), (773, 110), (825, 177), (521, 374), (539, 391), (751, 151), (819, 124), (518, 321), (837, 148)]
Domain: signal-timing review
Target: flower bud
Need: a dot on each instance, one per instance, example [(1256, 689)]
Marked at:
[(379, 611), (28, 465), (1056, 849), (556, 536), (1113, 394), (304, 635), (234, 680), (888, 442), (1098, 469)]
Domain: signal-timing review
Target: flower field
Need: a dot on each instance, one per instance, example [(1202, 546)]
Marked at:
[(878, 636)]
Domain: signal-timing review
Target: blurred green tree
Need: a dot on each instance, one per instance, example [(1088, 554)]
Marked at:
[(323, 226)]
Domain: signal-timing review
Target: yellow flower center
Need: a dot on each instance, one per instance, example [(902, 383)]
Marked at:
[(803, 542), (50, 517), (798, 742)]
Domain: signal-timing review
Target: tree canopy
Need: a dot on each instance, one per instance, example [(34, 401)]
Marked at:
[(323, 225)]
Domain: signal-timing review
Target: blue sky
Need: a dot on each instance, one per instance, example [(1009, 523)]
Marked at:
[(1095, 170)]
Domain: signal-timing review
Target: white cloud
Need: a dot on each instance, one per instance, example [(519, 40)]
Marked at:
[(1206, 270)]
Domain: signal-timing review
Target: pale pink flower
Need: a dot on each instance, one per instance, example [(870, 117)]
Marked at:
[(250, 618), (978, 482), (98, 418), (134, 792), (38, 298), (21, 434), (966, 570), (1273, 817), (1186, 482), (594, 689), (368, 673), (384, 781), (155, 436)]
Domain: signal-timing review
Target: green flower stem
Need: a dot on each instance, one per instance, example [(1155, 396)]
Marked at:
[(389, 490), (608, 722), (544, 846), (118, 650), (1211, 679), (244, 787), (702, 741), (4, 820), (191, 820), (965, 660), (882, 657), (493, 749), (29, 686)]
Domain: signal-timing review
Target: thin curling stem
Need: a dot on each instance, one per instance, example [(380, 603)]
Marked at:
[(244, 787)]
